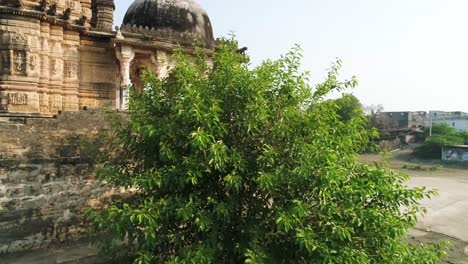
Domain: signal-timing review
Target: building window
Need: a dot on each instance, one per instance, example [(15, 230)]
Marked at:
[(453, 124)]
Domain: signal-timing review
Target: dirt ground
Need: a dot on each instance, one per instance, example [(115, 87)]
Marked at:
[(447, 214), (457, 251)]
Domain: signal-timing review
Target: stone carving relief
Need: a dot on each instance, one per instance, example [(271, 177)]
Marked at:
[(57, 67), (72, 52), (71, 70), (18, 39), (44, 4), (119, 33), (43, 101), (19, 61), (32, 63), (18, 98), (15, 60), (87, 12), (163, 61), (55, 102), (71, 4), (3, 102)]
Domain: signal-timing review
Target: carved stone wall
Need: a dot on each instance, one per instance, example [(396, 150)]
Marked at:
[(62, 55), (40, 60), (76, 8), (19, 60), (98, 74), (45, 181)]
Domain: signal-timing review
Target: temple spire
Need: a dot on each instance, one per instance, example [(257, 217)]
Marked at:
[(104, 14)]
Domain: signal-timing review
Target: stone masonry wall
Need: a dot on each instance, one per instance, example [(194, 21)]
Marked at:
[(45, 182)]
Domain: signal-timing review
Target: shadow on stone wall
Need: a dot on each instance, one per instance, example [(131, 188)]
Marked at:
[(46, 180)]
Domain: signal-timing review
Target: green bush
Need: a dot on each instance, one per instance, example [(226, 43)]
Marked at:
[(432, 147), (234, 164), (441, 129), (464, 135)]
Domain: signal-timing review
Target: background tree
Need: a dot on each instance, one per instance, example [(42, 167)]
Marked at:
[(238, 165), (349, 107), (464, 135), (378, 120), (442, 129), (372, 112)]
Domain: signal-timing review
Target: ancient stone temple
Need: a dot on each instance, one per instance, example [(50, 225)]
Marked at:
[(64, 55), (58, 57)]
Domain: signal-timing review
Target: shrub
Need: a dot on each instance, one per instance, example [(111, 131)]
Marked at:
[(432, 148), (238, 165)]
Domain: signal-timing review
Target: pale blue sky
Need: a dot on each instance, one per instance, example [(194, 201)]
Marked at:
[(407, 54)]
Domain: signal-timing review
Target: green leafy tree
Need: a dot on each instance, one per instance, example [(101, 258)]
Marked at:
[(441, 129), (231, 164), (464, 135), (349, 107)]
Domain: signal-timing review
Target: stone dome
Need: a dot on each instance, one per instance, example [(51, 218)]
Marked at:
[(180, 19)]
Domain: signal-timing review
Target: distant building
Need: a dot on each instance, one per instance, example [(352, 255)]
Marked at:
[(403, 120), (455, 153), (458, 120)]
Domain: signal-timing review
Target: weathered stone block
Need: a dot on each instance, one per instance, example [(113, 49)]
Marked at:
[(25, 173), (46, 183), (15, 191)]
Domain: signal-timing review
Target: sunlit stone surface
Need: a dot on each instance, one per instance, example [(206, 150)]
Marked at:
[(65, 54)]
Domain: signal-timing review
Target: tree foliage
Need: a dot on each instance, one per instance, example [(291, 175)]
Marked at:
[(233, 164), (464, 135), (441, 129), (442, 135), (349, 107)]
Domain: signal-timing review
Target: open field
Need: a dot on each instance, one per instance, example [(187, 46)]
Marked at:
[(447, 214)]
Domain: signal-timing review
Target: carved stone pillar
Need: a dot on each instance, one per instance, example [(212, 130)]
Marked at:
[(56, 68), (86, 11), (75, 8), (125, 56), (60, 5), (70, 71), (43, 86)]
